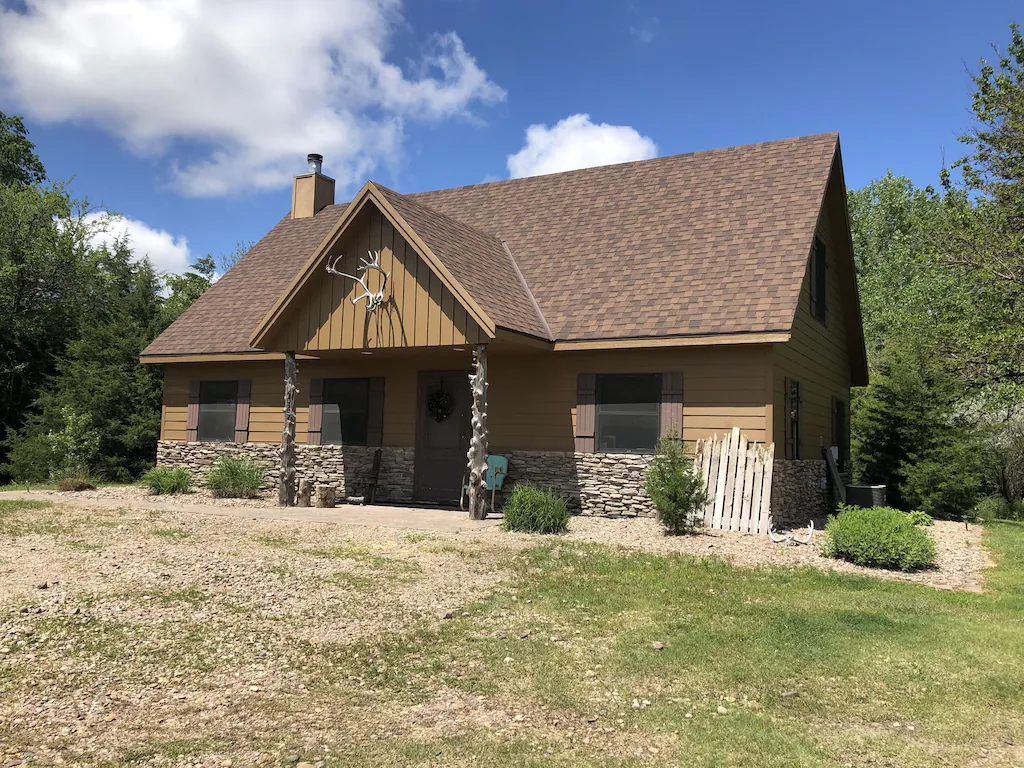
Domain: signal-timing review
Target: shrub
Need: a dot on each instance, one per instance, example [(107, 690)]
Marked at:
[(74, 448), (162, 480), (235, 478), (998, 508), (534, 510), (917, 517), (879, 537), (75, 484), (676, 487)]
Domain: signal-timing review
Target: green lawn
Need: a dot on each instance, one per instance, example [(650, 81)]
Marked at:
[(811, 669), (585, 655)]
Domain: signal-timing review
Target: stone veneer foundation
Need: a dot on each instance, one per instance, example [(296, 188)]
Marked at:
[(799, 492), (592, 483)]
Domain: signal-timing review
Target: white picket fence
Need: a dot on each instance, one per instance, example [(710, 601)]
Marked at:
[(738, 478)]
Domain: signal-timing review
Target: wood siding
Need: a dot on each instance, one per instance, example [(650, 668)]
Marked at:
[(532, 396), (418, 310), (817, 354)]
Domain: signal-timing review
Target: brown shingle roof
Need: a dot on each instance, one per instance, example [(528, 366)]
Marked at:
[(706, 243), (477, 260)]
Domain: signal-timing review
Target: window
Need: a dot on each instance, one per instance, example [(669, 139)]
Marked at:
[(628, 412), (792, 419), (839, 435), (217, 401), (819, 281), (346, 413)]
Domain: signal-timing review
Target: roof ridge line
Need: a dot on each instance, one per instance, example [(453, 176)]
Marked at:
[(694, 153), (526, 287)]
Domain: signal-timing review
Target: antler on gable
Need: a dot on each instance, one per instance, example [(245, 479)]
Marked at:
[(373, 298)]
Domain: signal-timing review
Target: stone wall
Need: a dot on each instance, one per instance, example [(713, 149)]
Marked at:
[(592, 483), (335, 464), (798, 494)]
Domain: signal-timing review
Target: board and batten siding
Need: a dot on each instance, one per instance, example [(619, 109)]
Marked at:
[(817, 354), (532, 396), (418, 311)]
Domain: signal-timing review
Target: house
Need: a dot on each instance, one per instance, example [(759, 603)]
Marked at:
[(688, 294)]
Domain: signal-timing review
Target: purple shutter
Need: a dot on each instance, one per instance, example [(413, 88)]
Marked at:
[(375, 415), (672, 404), (242, 411), (316, 411), (586, 412), (192, 419)]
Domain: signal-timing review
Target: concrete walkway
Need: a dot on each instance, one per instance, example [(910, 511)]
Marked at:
[(424, 519)]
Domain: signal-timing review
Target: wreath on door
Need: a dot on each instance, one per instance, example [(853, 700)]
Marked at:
[(440, 404)]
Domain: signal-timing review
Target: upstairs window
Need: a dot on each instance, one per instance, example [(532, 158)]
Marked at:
[(346, 411), (628, 410), (217, 403), (819, 281)]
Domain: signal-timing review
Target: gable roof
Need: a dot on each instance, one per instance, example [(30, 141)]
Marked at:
[(703, 244)]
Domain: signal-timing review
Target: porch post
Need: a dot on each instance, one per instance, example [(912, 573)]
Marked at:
[(286, 474), (478, 442)]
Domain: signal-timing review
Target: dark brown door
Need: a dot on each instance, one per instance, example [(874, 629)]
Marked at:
[(441, 446)]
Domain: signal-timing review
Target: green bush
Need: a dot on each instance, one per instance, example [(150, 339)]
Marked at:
[(879, 537), (998, 508), (162, 480), (235, 478), (917, 517), (534, 510), (676, 488)]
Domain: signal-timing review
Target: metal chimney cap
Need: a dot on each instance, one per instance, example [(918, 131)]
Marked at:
[(316, 162)]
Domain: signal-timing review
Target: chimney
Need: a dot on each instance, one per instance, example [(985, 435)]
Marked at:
[(311, 191)]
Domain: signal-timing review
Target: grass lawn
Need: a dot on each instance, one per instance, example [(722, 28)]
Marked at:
[(809, 669), (576, 655)]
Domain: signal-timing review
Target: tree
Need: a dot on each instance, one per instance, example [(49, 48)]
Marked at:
[(19, 164), (912, 431), (981, 241), (226, 261)]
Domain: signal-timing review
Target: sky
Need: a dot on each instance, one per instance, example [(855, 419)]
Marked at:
[(188, 118)]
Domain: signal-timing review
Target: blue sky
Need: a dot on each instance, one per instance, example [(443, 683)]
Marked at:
[(189, 117)]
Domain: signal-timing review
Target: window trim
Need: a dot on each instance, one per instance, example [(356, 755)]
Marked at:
[(792, 413), (368, 381), (656, 412), (199, 410), (819, 281)]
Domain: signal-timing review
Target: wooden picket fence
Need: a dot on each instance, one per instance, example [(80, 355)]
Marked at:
[(738, 478)]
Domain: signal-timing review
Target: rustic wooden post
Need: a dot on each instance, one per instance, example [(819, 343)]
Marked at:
[(477, 455), (325, 496), (286, 475), (305, 492)]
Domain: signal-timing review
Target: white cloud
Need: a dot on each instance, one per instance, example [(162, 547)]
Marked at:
[(646, 30), (576, 142), (234, 93), (167, 252)]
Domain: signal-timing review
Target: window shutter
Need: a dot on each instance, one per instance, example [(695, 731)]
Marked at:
[(192, 419), (799, 418), (316, 411), (824, 284), (375, 415), (672, 404), (835, 422), (814, 281), (586, 411), (787, 412), (242, 411)]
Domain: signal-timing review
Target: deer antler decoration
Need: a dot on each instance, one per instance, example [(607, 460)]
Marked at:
[(373, 298), (790, 539)]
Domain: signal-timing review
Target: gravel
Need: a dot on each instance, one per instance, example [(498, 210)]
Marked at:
[(182, 639)]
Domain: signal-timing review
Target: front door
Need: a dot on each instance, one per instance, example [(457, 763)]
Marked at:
[(442, 435)]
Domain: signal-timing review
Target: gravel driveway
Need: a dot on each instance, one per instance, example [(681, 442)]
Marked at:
[(148, 637)]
